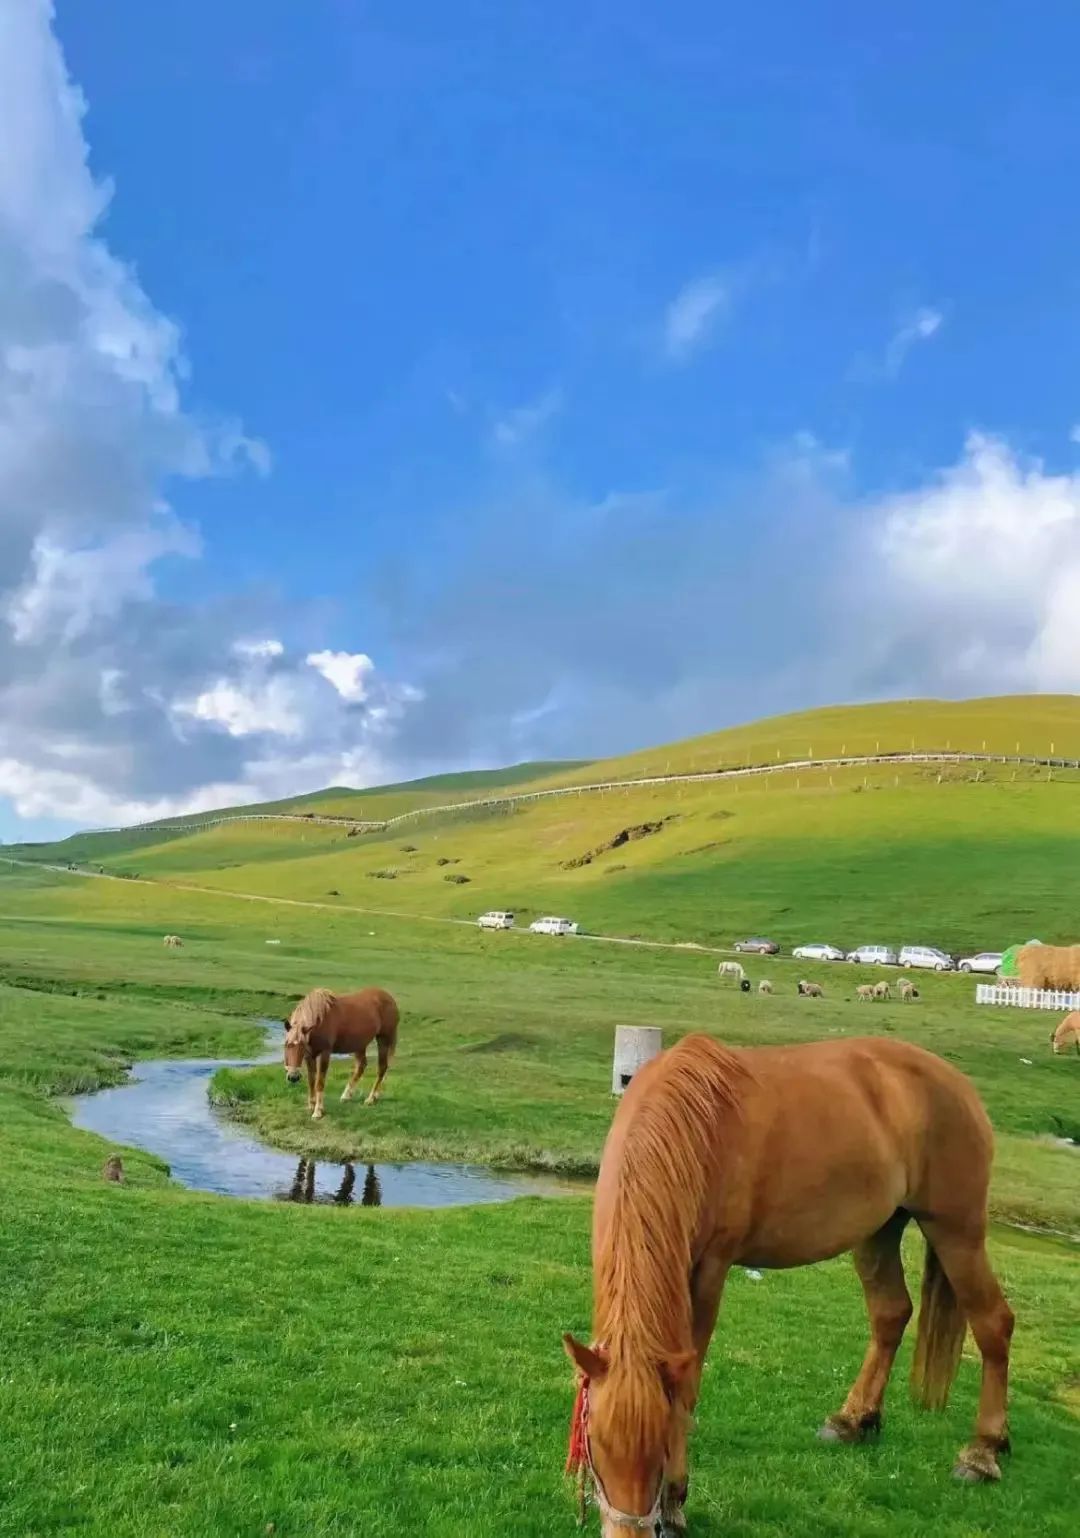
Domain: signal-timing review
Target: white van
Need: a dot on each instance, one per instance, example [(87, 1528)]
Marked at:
[(925, 956), (873, 955), (497, 919), (553, 926)]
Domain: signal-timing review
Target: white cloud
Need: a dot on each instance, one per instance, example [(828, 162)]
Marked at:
[(976, 577), (266, 648), (918, 327), (115, 703), (693, 315), (518, 426), (247, 710), (349, 672)]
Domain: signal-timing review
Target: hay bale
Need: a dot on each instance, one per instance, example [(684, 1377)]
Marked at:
[(1049, 966)]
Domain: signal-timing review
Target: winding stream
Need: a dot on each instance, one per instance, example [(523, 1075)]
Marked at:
[(164, 1109)]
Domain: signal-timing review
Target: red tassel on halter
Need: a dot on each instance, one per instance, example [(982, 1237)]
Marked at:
[(577, 1453)]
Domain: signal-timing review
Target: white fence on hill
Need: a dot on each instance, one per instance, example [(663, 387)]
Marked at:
[(1026, 998)]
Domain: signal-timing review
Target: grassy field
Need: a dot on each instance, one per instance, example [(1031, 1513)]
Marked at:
[(963, 856), (179, 1365)]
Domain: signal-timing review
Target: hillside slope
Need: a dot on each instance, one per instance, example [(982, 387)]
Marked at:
[(960, 855)]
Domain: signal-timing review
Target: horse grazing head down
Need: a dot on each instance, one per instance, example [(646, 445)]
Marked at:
[(624, 1420)]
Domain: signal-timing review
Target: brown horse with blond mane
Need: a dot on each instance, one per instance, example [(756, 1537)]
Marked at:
[(324, 1023), (775, 1157)]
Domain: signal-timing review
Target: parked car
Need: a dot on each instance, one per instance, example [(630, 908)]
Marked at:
[(497, 919), (874, 955), (757, 946), (982, 961), (926, 956), (553, 926), (818, 951)]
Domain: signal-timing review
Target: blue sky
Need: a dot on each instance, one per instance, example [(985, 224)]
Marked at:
[(591, 361)]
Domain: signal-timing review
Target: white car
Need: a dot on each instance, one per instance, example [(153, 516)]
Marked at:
[(926, 956), (553, 926), (873, 955), (497, 919), (818, 952), (983, 961)]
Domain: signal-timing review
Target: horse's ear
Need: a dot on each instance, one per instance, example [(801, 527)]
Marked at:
[(587, 1359), (675, 1371)]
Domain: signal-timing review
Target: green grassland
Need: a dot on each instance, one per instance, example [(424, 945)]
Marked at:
[(961, 855), (179, 1365), (960, 863)]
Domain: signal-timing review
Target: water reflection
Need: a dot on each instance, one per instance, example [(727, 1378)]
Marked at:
[(303, 1187)]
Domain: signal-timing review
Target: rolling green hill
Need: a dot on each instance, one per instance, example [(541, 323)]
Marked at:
[(957, 854)]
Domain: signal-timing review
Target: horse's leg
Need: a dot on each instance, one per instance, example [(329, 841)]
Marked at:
[(707, 1289), (877, 1261), (964, 1260), (356, 1075), (320, 1084), (311, 1085), (384, 1069)]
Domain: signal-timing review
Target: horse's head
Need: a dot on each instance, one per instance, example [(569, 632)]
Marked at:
[(296, 1049), (628, 1418)]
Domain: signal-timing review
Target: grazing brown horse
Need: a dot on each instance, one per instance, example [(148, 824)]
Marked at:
[(324, 1023), (779, 1157), (1068, 1032)]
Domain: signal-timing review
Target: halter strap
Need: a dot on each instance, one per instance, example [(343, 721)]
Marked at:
[(580, 1461)]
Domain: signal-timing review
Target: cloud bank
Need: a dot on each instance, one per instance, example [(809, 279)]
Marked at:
[(115, 704)]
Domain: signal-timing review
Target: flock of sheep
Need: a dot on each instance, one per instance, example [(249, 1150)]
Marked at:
[(870, 993)]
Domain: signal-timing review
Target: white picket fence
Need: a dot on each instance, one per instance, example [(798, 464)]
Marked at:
[(1026, 998)]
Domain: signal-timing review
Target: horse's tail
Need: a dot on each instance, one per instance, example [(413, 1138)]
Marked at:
[(387, 1033), (940, 1338)]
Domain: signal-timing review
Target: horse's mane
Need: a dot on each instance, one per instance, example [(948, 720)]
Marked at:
[(670, 1152), (311, 1011)]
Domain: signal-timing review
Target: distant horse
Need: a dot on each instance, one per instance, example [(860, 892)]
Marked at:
[(811, 990), (733, 969), (694, 1180), (1068, 1031), (324, 1023)]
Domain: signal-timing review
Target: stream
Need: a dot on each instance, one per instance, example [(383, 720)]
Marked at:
[(164, 1109)]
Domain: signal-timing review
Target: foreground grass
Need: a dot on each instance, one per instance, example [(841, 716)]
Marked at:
[(180, 1365)]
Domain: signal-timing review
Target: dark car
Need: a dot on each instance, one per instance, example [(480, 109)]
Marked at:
[(758, 946)]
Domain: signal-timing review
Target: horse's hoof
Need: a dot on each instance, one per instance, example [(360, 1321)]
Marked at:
[(976, 1467), (841, 1428)]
